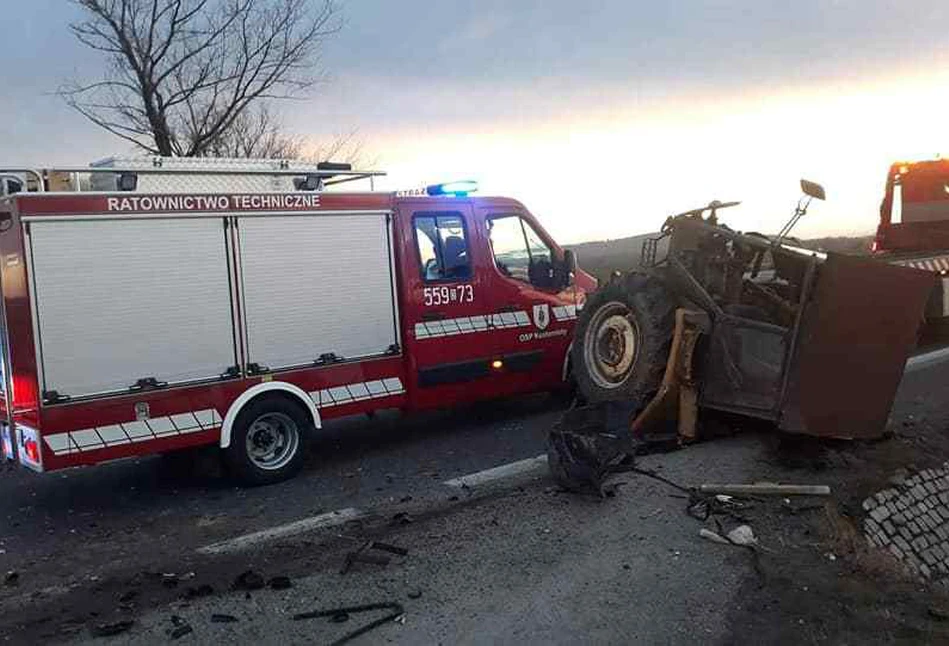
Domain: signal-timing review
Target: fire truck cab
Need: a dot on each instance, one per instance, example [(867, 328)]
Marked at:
[(914, 227), (241, 303)]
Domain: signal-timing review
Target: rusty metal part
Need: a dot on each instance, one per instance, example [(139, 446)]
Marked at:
[(743, 367), (855, 335), (677, 398), (787, 311)]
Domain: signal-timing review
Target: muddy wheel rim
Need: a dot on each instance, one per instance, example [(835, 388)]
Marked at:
[(611, 344), (272, 441)]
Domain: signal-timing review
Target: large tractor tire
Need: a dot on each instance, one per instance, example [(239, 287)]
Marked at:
[(623, 339)]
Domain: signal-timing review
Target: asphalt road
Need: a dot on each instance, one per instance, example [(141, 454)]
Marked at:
[(150, 510), (506, 567)]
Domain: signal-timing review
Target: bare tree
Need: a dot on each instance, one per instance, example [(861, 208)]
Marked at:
[(345, 147), (258, 133), (184, 74), (255, 133)]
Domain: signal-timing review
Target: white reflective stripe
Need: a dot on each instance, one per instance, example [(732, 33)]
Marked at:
[(565, 312), (113, 435), (359, 391), (471, 324), (161, 426), (393, 385), (940, 263), (375, 388), (137, 431), (87, 439), (58, 443), (100, 437), (351, 393)]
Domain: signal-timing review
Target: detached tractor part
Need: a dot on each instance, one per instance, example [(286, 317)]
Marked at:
[(715, 319)]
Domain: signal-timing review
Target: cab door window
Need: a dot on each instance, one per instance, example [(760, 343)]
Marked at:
[(519, 252), (442, 247)]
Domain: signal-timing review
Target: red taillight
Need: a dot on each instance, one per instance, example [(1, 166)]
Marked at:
[(32, 450)]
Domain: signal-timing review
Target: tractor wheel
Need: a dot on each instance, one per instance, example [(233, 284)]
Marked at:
[(623, 339)]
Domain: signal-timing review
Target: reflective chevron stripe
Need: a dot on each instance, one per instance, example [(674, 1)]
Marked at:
[(565, 312), (939, 264), (351, 393), (471, 324), (101, 437)]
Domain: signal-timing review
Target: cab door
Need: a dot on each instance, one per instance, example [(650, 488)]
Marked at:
[(446, 328), (533, 301)]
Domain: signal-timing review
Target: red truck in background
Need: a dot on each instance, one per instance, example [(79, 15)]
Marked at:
[(241, 303), (914, 226)]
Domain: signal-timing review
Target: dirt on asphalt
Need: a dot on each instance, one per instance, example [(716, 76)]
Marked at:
[(821, 582)]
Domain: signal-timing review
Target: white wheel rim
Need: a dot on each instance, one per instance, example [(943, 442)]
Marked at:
[(611, 345), (272, 441)]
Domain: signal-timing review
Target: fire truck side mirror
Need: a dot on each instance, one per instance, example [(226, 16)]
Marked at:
[(570, 261)]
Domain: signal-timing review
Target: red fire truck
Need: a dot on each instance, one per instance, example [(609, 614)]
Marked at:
[(241, 303), (914, 227)]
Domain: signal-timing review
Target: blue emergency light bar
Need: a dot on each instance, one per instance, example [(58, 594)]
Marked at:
[(458, 189)]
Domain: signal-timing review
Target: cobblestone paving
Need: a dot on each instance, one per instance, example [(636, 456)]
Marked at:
[(911, 520)]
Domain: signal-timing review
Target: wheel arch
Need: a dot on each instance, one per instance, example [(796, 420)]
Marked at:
[(287, 389)]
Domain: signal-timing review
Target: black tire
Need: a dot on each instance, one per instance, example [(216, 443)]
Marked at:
[(635, 377), (269, 417)]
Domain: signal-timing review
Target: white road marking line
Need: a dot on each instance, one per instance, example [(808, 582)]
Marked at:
[(239, 543), (928, 359), (498, 473)]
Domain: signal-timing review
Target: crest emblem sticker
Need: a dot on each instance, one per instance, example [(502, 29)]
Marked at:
[(542, 316)]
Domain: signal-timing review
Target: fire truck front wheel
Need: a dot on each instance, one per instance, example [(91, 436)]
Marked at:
[(268, 441)]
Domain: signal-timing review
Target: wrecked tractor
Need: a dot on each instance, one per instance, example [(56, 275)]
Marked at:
[(715, 319)]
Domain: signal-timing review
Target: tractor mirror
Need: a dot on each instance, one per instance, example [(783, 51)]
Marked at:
[(570, 260), (813, 189)]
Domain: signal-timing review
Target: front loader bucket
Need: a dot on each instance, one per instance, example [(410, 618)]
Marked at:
[(855, 336)]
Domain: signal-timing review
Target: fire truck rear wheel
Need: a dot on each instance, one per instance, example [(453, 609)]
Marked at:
[(623, 339), (268, 441)]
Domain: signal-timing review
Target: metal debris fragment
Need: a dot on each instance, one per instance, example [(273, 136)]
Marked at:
[(180, 631), (110, 629), (766, 489), (336, 615)]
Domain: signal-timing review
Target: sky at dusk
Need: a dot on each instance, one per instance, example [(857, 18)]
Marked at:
[(603, 117)]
